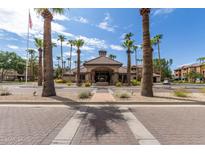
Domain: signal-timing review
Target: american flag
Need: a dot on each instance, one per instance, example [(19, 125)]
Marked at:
[(30, 21)]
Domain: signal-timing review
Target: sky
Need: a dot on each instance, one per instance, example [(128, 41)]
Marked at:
[(183, 32)]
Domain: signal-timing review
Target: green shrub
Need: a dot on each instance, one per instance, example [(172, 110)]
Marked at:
[(87, 84), (124, 95), (180, 92), (118, 84), (135, 82), (60, 81), (85, 95), (4, 91)]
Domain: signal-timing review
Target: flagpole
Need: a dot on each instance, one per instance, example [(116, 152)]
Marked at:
[(27, 49)]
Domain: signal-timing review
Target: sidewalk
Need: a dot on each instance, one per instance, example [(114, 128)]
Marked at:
[(102, 95)]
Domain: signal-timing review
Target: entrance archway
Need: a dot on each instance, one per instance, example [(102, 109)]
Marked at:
[(102, 74)]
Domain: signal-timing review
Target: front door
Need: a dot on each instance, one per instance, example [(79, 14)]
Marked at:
[(102, 76)]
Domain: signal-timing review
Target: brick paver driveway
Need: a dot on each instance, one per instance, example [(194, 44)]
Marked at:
[(174, 125), (104, 125), (31, 125)]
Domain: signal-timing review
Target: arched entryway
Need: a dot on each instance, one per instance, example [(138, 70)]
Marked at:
[(102, 74)]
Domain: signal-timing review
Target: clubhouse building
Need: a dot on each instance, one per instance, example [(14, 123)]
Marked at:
[(106, 71)]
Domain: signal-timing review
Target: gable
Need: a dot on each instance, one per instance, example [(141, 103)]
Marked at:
[(102, 60)]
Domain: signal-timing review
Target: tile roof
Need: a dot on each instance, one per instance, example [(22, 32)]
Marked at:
[(102, 60)]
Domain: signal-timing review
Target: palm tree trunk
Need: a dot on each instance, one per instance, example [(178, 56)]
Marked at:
[(32, 70), (2, 75), (40, 67), (147, 72), (78, 68), (136, 64), (58, 64), (128, 68), (48, 86), (62, 58), (71, 56), (159, 61)]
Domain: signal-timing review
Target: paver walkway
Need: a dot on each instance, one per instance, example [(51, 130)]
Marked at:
[(102, 95), (104, 125)]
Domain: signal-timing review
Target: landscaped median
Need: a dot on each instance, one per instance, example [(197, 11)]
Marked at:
[(86, 95), (176, 95), (32, 95)]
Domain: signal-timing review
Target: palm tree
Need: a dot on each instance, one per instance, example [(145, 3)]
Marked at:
[(147, 73), (134, 48), (128, 44), (75, 62), (68, 59), (71, 42), (39, 45), (53, 44), (47, 14), (78, 43), (201, 59), (64, 62), (61, 38), (156, 41), (112, 56), (139, 60), (58, 59), (128, 36), (32, 59)]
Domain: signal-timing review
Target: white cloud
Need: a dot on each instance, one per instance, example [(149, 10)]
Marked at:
[(93, 42), (80, 19), (12, 46), (16, 21), (107, 17), (116, 47), (76, 19), (60, 17), (67, 54), (162, 11), (105, 24)]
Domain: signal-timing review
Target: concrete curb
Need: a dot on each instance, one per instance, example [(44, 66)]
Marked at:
[(26, 102), (142, 135), (65, 136)]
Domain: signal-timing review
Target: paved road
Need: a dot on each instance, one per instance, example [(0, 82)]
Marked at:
[(174, 125), (31, 125), (104, 124)]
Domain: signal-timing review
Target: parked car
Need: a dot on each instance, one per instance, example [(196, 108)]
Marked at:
[(166, 82)]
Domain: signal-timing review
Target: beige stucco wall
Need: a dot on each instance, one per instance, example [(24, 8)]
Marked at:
[(91, 68)]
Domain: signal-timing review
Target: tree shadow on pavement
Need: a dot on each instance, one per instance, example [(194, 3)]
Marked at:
[(101, 120), (62, 99)]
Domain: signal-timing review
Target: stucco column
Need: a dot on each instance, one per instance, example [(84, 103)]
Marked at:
[(88, 76), (92, 77), (115, 77)]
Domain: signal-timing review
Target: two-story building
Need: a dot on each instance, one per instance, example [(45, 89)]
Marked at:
[(182, 72)]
